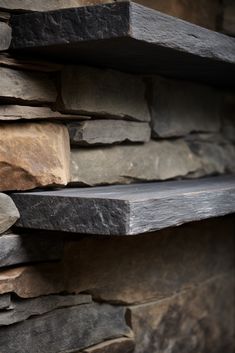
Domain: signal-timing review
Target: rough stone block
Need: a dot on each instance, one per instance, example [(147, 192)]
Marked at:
[(33, 281), (129, 163), (65, 330), (22, 309), (100, 132), (179, 108), (20, 112), (22, 86), (119, 345), (42, 157), (166, 262), (8, 212), (104, 93), (19, 249), (5, 36), (196, 320)]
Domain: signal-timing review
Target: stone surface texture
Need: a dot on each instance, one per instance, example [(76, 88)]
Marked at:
[(130, 38), (83, 326), (19, 249), (5, 36), (196, 320), (129, 163), (20, 112), (103, 93), (228, 22), (42, 156), (167, 262), (8, 212), (119, 345), (22, 86), (33, 281), (179, 108), (5, 301), (98, 132), (24, 309)]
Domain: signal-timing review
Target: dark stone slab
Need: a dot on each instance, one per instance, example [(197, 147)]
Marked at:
[(5, 301), (18, 249), (65, 330), (22, 309), (126, 209), (129, 37)]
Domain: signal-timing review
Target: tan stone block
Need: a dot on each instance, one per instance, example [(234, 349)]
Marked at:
[(33, 281), (8, 213), (33, 155), (196, 320)]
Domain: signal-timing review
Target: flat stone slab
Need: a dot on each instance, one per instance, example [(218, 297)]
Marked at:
[(83, 326), (22, 309), (129, 37), (101, 132), (19, 249), (127, 209)]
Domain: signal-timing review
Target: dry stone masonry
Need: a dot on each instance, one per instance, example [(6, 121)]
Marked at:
[(117, 187)]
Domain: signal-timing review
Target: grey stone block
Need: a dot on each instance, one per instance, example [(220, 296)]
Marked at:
[(8, 213)]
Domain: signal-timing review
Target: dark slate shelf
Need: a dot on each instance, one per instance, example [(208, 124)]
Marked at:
[(126, 209), (129, 37)]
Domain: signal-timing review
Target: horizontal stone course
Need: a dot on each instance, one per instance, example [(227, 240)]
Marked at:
[(103, 93), (22, 86), (98, 132), (25, 248), (42, 156)]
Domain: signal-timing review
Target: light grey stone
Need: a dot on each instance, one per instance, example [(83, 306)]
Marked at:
[(5, 36), (65, 330), (25, 86), (19, 249), (8, 213), (22, 309), (101, 132), (129, 163), (179, 108), (103, 93), (10, 112)]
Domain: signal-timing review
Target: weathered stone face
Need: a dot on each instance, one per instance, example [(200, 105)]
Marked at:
[(156, 265), (8, 213), (200, 319), (5, 36), (66, 330), (128, 163), (33, 155), (101, 132), (22, 86), (104, 93), (179, 108), (20, 112)]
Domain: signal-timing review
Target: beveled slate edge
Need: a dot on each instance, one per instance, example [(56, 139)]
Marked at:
[(175, 203), (82, 24), (177, 210), (118, 20), (86, 216), (160, 29)]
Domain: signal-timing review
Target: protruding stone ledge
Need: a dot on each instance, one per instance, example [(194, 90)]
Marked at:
[(129, 37), (127, 209)]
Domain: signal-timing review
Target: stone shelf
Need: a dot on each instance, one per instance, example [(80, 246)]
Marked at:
[(128, 37), (126, 209)]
